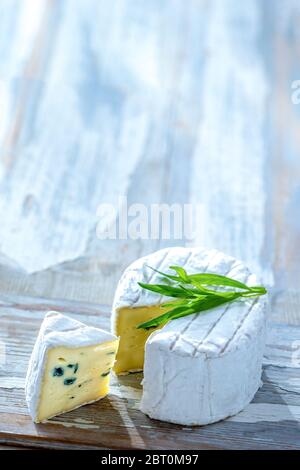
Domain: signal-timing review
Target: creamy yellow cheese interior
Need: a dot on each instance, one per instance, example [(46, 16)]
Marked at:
[(130, 356), (74, 377)]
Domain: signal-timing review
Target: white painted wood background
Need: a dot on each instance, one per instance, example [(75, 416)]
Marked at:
[(164, 102)]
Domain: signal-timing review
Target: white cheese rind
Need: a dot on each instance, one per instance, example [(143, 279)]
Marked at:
[(203, 388), (204, 367), (56, 330)]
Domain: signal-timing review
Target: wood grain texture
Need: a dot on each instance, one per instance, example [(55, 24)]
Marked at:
[(189, 103), (228, 165), (271, 421), (282, 133), (4, 447)]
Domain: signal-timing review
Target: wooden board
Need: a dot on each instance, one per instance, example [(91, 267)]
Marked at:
[(271, 421)]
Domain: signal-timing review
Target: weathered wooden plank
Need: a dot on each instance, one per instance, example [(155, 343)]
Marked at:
[(135, 115), (283, 169), (171, 109), (228, 165), (81, 156), (4, 447), (270, 421), (189, 104)]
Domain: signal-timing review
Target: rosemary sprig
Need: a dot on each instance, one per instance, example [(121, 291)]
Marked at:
[(196, 293)]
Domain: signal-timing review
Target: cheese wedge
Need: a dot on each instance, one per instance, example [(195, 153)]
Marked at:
[(200, 368), (69, 367)]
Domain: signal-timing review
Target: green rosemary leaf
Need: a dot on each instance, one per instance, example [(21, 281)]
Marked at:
[(177, 311), (193, 297), (179, 290), (183, 310), (174, 303), (196, 291), (259, 289), (206, 279), (168, 276), (164, 289), (181, 273), (217, 280)]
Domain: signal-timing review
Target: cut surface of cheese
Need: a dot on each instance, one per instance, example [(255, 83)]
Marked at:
[(200, 368), (69, 367), (130, 355)]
